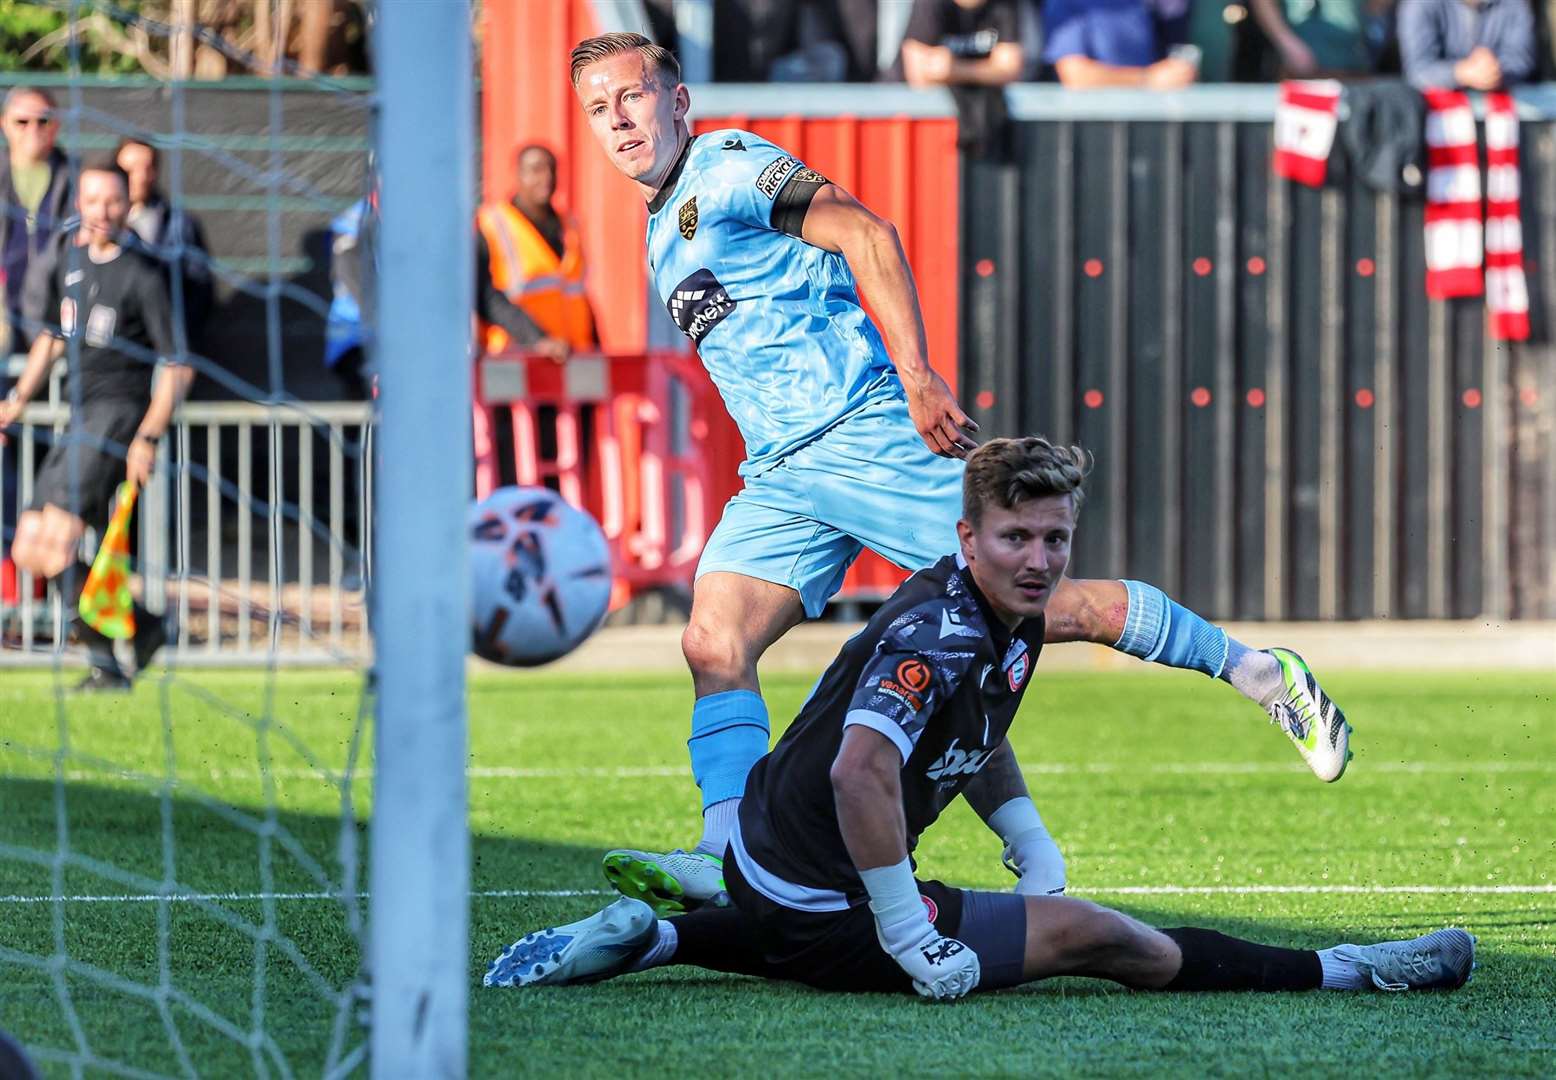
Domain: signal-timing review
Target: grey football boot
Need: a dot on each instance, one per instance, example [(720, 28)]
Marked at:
[(1441, 960)]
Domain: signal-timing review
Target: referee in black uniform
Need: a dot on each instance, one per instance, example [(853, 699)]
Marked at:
[(103, 303), (912, 713)]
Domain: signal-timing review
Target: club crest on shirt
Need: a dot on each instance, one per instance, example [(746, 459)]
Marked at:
[(1018, 672), (686, 218), (1017, 665)]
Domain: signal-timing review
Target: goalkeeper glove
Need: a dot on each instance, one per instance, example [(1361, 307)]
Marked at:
[(1030, 853), (941, 967)]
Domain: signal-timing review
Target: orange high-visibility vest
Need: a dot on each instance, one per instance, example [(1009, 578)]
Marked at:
[(527, 271)]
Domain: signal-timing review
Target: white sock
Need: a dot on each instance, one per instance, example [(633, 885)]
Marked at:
[(717, 821), (1255, 674), (1341, 974), (661, 951)]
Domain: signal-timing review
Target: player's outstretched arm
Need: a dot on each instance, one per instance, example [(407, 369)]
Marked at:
[(868, 790), (1137, 618), (999, 794), (840, 223)]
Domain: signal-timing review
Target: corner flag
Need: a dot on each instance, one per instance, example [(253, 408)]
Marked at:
[(106, 604)]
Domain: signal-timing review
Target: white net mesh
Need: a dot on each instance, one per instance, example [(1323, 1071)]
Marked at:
[(180, 866)]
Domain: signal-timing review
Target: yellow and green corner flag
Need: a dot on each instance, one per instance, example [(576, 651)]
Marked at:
[(106, 604)]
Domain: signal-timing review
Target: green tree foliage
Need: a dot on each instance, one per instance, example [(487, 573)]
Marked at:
[(33, 38)]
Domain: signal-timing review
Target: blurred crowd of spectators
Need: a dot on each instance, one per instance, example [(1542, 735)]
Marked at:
[(1156, 44), (37, 206)]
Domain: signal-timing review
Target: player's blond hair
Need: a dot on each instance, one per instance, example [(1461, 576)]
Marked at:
[(1004, 472), (657, 59)]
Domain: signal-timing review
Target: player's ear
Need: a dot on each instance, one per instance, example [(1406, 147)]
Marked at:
[(683, 102), (964, 534)]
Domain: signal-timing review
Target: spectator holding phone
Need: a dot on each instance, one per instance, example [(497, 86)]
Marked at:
[(1098, 43), (1466, 44)]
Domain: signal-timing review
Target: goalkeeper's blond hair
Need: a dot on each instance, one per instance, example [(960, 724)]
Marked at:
[(1004, 472)]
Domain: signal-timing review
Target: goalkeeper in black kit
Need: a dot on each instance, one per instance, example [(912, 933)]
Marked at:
[(913, 713)]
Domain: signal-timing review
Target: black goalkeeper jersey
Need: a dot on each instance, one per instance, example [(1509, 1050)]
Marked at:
[(937, 674)]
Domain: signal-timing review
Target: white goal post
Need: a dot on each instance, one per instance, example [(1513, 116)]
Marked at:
[(418, 952)]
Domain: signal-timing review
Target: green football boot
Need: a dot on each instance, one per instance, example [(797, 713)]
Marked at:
[(672, 884), (1310, 719)]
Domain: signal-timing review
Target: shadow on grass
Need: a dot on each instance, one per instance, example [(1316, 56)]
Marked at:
[(262, 945), (151, 984)]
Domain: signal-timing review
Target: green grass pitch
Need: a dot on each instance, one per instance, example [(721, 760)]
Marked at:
[(1170, 795)]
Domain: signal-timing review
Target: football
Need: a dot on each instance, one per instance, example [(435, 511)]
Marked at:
[(540, 574)]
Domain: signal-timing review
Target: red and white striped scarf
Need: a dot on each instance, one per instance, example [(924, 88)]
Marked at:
[(1507, 294), (1305, 121), (1456, 240)]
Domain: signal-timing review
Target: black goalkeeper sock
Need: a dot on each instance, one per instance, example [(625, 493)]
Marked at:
[(1213, 961)]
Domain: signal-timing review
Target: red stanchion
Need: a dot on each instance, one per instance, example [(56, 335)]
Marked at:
[(622, 437), (640, 441)]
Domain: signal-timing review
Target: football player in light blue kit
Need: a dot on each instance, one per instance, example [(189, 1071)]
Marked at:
[(852, 441)]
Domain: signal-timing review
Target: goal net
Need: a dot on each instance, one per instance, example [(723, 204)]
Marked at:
[(184, 868)]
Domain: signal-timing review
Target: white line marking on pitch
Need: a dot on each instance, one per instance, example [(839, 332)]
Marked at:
[(633, 772), (1112, 890)]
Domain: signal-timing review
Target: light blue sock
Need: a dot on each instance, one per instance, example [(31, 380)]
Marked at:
[(1163, 631), (729, 734)]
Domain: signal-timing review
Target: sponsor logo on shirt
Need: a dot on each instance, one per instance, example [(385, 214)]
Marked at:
[(686, 218), (956, 762), (907, 684), (733, 144), (699, 303), (914, 674), (809, 176), (930, 908), (770, 179)]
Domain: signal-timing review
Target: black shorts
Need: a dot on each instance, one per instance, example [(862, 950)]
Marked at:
[(838, 950), (97, 438)]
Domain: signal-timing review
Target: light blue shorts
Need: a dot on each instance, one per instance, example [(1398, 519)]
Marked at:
[(870, 482)]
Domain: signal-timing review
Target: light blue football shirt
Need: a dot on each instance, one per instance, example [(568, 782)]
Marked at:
[(776, 321)]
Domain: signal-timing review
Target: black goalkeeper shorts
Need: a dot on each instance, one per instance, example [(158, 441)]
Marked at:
[(87, 462), (838, 950)]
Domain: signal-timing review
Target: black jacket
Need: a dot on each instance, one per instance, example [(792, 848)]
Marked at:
[(180, 241), (17, 249)]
